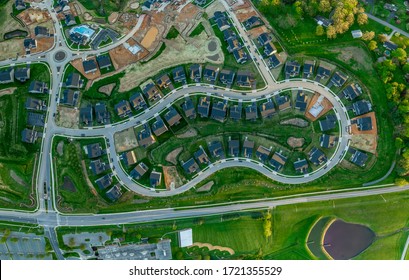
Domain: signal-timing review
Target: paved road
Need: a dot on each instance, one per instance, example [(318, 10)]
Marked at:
[(405, 249), (384, 23)]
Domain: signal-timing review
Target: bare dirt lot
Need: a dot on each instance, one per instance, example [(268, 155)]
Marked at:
[(34, 16), (295, 142), (122, 57), (7, 91), (327, 106), (107, 89), (374, 131), (172, 156), (150, 37), (212, 247), (206, 187), (191, 132), (366, 142), (125, 140), (295, 122), (177, 52), (77, 63), (255, 32), (172, 178), (10, 48), (67, 117)]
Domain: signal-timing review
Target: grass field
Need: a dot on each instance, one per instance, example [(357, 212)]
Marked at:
[(243, 232), (199, 29)]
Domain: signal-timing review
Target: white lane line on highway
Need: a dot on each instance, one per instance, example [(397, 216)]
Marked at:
[(155, 115)]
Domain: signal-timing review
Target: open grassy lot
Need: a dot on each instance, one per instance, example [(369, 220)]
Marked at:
[(244, 232), (105, 7), (80, 195)]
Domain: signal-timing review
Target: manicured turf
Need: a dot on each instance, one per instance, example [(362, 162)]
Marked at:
[(199, 29)]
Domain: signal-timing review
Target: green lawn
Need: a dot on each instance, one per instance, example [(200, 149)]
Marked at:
[(172, 34), (199, 29)]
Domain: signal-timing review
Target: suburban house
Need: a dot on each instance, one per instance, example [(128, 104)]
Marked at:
[(35, 104), (234, 148), (30, 43), (264, 38), (20, 5), (74, 81), (102, 114), (163, 81), (90, 66), (390, 45), (210, 74), (190, 166), (70, 20), (203, 107), (94, 150), (273, 61), (283, 102), (269, 49), (145, 137), (364, 123), (172, 117), (308, 70), (129, 158), (245, 79), (7, 76), (41, 31), (317, 107), (301, 101), (338, 79), (188, 108), (219, 110), (328, 123), (139, 170), (114, 193), (240, 56), (123, 109), (251, 112), (155, 179), (235, 111), (267, 109), (356, 34), (216, 149), (37, 87), (292, 69), (317, 157), (104, 182), (323, 72), (248, 147), (233, 44), (277, 161), (179, 75), (104, 62), (221, 20), (98, 166), (361, 107), (69, 97), (252, 21), (358, 157), (195, 72), (151, 92), (226, 77), (228, 34), (138, 102), (22, 74), (201, 156), (86, 115), (352, 91), (323, 21), (301, 166), (159, 127), (29, 136), (262, 153), (35, 119), (328, 141)]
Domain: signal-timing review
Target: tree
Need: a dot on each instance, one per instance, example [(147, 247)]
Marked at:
[(382, 38), (267, 225), (324, 6), (362, 19), (405, 68), (319, 31), (331, 32), (368, 35), (400, 182), (372, 45), (400, 54)]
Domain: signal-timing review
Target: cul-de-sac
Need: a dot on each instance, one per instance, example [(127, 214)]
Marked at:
[(204, 129)]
